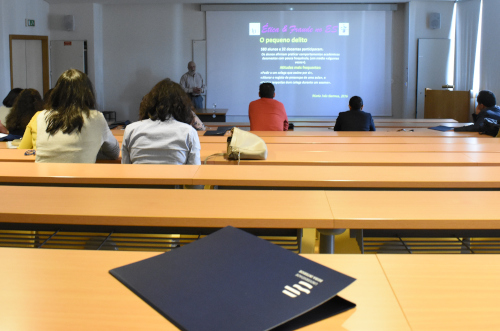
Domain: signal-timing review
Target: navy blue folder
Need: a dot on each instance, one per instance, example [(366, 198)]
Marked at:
[(441, 128), (232, 280)]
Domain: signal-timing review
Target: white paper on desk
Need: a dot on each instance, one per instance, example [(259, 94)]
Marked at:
[(3, 135), (10, 145)]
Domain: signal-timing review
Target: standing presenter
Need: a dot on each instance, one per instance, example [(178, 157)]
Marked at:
[(193, 85)]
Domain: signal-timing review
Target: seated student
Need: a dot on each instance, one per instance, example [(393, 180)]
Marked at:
[(486, 107), (27, 103), (29, 138), (6, 106), (163, 134), (71, 130), (355, 119), (267, 114)]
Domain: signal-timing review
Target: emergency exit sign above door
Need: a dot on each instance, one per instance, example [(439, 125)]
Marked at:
[(30, 22)]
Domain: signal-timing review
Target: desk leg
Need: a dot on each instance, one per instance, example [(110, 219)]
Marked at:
[(327, 240)]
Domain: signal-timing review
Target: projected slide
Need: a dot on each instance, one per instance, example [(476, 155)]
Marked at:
[(316, 60)]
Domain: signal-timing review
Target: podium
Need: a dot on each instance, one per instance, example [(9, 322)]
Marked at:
[(207, 115), (458, 105)]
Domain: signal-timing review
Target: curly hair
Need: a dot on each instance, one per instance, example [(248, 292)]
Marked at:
[(72, 97), (27, 103), (167, 99)]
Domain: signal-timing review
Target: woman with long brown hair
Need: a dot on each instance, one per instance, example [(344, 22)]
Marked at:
[(164, 133), (71, 130)]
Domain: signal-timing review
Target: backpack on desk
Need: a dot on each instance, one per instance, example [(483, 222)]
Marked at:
[(245, 145)]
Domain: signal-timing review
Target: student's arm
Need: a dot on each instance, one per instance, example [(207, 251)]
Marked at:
[(194, 150), (338, 126), (285, 122), (3, 129), (372, 124), (110, 149), (125, 148), (197, 123), (183, 84), (27, 141)]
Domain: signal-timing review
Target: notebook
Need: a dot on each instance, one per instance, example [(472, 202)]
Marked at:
[(232, 280), (441, 128)]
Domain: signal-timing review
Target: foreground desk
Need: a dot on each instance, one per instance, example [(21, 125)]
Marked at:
[(415, 209), (72, 290), (446, 292)]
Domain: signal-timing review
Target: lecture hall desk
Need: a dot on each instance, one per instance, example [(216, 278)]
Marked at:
[(392, 292), (472, 177), (332, 158), (485, 148), (46, 289), (144, 208)]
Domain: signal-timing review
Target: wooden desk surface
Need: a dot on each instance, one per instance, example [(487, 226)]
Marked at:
[(244, 175), (322, 124), (349, 177), (165, 208), (415, 209), (381, 133), (72, 290), (446, 292), (376, 120), (365, 140), (97, 174), (411, 148), (331, 158)]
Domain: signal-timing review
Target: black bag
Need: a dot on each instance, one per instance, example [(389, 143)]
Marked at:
[(490, 127)]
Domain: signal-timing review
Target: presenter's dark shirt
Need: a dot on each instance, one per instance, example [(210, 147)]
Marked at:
[(354, 120)]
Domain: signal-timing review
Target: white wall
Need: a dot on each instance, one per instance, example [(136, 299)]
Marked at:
[(418, 12), (142, 45), (490, 42), (88, 26), (12, 21)]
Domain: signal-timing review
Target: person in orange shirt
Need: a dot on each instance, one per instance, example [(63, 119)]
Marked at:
[(267, 114)]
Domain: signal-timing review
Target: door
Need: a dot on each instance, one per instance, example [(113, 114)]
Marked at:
[(434, 68), (29, 62)]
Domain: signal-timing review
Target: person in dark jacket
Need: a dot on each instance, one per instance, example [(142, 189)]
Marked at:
[(486, 108), (355, 119)]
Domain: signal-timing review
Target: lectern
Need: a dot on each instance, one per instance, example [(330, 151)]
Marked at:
[(458, 105)]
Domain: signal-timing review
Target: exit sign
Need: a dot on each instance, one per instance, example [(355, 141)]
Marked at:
[(30, 22)]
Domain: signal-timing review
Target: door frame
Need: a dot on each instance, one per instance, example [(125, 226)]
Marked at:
[(45, 58)]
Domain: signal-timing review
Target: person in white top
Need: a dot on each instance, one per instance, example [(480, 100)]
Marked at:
[(163, 135), (71, 130), (192, 83)]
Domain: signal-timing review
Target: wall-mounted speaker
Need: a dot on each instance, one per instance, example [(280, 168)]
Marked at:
[(69, 23), (435, 20)]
